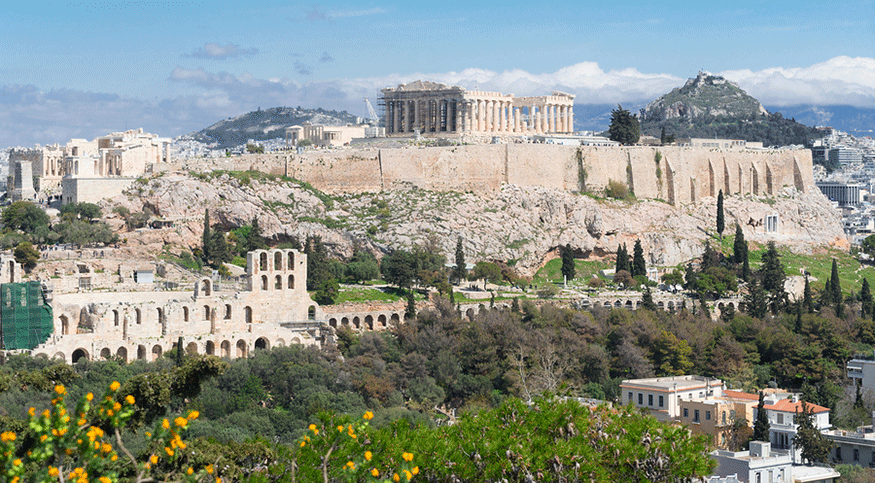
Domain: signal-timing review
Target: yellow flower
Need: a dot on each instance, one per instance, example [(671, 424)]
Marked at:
[(340, 429), (407, 456), (375, 472), (312, 427), (109, 412), (114, 386), (7, 436), (180, 422), (165, 424), (350, 465), (169, 451), (106, 447), (82, 422), (89, 397), (130, 399), (415, 470), (147, 465), (104, 479), (46, 413), (408, 475), (61, 390), (31, 412), (303, 443), (368, 455), (368, 415), (114, 457), (189, 471), (117, 406), (396, 478), (154, 459), (209, 469), (218, 480), (17, 462), (194, 414), (53, 472)]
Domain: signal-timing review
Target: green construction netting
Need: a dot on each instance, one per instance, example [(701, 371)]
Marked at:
[(25, 317)]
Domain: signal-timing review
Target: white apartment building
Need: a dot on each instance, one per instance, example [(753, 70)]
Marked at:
[(862, 370), (662, 395), (759, 465)]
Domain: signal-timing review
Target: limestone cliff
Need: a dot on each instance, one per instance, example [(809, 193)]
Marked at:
[(522, 224)]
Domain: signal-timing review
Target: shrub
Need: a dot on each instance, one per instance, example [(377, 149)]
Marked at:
[(617, 190)]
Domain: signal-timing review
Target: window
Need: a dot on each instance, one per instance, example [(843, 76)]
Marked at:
[(696, 416), (707, 415), (650, 399), (640, 399), (838, 453), (686, 413), (724, 418), (780, 418), (661, 402), (630, 397), (856, 455)]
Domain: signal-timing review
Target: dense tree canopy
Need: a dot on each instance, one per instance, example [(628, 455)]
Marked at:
[(624, 126)]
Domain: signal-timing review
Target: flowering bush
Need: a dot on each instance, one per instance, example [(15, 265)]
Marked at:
[(85, 444)]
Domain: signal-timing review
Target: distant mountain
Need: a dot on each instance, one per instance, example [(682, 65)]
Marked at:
[(857, 121), (266, 124), (710, 106)]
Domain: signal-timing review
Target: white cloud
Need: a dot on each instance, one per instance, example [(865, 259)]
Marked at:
[(840, 80), (212, 50)]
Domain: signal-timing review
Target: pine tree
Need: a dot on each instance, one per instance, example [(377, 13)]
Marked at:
[(761, 426), (755, 301), (720, 220), (647, 299), (815, 446), (624, 127), (865, 300), (739, 246), (568, 270), (662, 137), (772, 270), (180, 356), (459, 271), (638, 265), (410, 312), (690, 277)]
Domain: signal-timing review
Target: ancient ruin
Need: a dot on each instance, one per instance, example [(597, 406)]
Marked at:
[(432, 108)]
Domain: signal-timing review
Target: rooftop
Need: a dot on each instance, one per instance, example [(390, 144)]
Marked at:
[(674, 382)]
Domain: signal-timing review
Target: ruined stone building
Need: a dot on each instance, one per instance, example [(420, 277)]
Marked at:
[(85, 171), (431, 108)]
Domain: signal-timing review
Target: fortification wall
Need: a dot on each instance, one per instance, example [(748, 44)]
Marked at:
[(681, 174)]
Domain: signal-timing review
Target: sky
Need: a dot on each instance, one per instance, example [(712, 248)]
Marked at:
[(83, 69)]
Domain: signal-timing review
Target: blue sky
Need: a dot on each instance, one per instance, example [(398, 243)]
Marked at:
[(80, 69)]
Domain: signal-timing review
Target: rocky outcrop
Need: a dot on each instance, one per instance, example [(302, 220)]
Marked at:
[(702, 95), (521, 225)]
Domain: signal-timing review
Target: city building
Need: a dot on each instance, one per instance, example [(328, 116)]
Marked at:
[(844, 156), (853, 447), (663, 395), (719, 143), (431, 108), (759, 465), (841, 192), (326, 136), (716, 416)]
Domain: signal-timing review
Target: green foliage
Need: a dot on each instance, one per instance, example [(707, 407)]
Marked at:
[(623, 262), (721, 222), (771, 130), (488, 271), (567, 262), (327, 292), (761, 425), (83, 210), (671, 355), (617, 190), (639, 267), (399, 268), (815, 446), (26, 255), (252, 148), (24, 216), (362, 267), (868, 245), (624, 127), (460, 269), (772, 270)]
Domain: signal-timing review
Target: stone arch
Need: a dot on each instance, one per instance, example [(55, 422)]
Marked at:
[(660, 305), (210, 348), (278, 282), (332, 322), (731, 305), (206, 287), (264, 286), (185, 314), (638, 304), (141, 352), (618, 304), (122, 353), (296, 340), (248, 314), (720, 306), (311, 312), (396, 319), (607, 303), (206, 312), (291, 260), (115, 318), (157, 350), (138, 316), (670, 306), (797, 176), (711, 183), (242, 348), (291, 284), (280, 342), (191, 348), (344, 321), (65, 325), (356, 322), (381, 320), (469, 313), (226, 348), (629, 305), (59, 355), (262, 261), (227, 312), (80, 353), (278, 261), (105, 353), (262, 343), (369, 322)]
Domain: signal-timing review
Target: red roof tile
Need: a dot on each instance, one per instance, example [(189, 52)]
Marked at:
[(740, 395), (786, 405)]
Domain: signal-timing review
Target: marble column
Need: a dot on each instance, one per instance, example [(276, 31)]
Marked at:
[(571, 119), (516, 119), (396, 116), (563, 111)]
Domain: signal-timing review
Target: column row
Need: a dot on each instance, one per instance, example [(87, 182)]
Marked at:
[(496, 116), (407, 116)]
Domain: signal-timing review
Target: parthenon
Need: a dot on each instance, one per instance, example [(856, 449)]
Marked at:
[(433, 108)]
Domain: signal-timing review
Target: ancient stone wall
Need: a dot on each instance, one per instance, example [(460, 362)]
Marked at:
[(675, 174)]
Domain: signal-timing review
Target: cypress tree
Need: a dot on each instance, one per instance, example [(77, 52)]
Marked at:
[(622, 259), (647, 299), (739, 246), (745, 267), (568, 262), (865, 300), (207, 238), (459, 272), (806, 297), (761, 426), (755, 301), (720, 220), (410, 312), (638, 265), (835, 288), (772, 270), (179, 353)]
